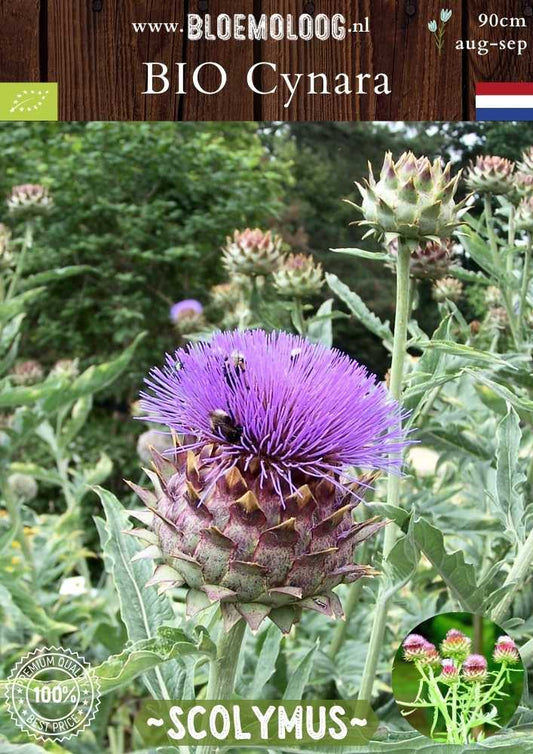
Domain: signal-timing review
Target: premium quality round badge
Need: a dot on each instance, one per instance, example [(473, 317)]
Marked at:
[(52, 693)]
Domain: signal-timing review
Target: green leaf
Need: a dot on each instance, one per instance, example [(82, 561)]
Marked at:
[(78, 417), (300, 677), (478, 249), (18, 304), (375, 256), (141, 657), (37, 472), (523, 406), (51, 276), (266, 662), (509, 478), (466, 352), (320, 329), (459, 576), (23, 597), (403, 559), (100, 472), (142, 609), (360, 310), (94, 379)]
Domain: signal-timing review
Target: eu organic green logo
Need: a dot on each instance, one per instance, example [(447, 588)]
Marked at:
[(28, 101)]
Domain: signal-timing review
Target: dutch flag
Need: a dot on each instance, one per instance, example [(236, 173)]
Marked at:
[(504, 101)]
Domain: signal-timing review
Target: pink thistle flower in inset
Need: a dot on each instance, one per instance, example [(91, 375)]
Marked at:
[(506, 651), (455, 645), (449, 671), (414, 647), (475, 669)]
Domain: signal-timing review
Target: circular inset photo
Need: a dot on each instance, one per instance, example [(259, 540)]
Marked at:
[(457, 678)]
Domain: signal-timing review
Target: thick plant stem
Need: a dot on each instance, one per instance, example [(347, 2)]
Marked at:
[(223, 669), (393, 489), (493, 242), (516, 576), (26, 246), (525, 278)]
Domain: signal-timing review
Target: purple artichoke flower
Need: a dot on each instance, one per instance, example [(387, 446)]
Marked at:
[(256, 500), (188, 308)]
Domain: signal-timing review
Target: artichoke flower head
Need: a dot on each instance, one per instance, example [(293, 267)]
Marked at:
[(413, 200), (276, 441)]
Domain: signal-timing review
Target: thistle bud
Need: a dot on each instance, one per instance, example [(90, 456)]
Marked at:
[(493, 296), (298, 276), (506, 651), (447, 289), (415, 647), (523, 185), (252, 252), (524, 215), (456, 645), (226, 295), (23, 487), (526, 165), (65, 369), (498, 317), (30, 198), (490, 175), (474, 669), (413, 200), (449, 673), (431, 260), (432, 656), (27, 372)]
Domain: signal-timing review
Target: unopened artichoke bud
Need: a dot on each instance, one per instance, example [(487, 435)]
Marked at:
[(474, 669), (299, 276), (413, 200), (23, 487), (254, 510), (30, 198), (491, 175), (455, 645), (150, 440), (27, 373), (526, 165), (252, 252), (226, 295), (524, 215), (523, 185), (66, 368), (498, 317), (493, 296), (431, 260), (447, 289), (449, 673)]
